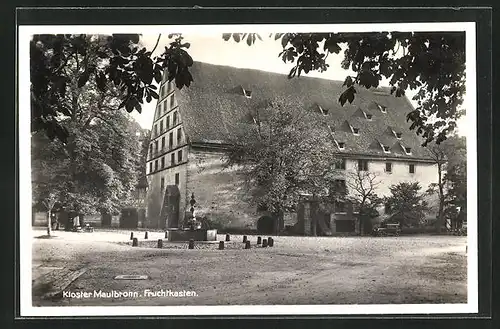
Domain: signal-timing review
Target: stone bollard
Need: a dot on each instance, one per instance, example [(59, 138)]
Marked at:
[(146, 235), (259, 240), (135, 243), (270, 242), (264, 243), (191, 244), (221, 245), (245, 239), (131, 235), (160, 243), (247, 244), (228, 238)]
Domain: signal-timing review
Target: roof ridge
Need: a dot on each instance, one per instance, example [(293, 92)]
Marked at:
[(377, 89)]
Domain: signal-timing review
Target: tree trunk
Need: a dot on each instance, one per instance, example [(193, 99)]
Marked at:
[(440, 218), (49, 223)]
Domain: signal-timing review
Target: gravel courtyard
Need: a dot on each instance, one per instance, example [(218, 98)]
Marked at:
[(297, 270)]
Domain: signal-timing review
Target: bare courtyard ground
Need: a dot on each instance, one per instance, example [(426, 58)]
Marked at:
[(297, 270)]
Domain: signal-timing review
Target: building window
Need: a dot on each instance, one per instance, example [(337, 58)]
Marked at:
[(177, 179), (339, 186), (156, 165), (162, 162), (156, 130), (156, 146), (388, 167), (150, 167), (179, 156), (168, 121), (175, 118), (163, 142), (172, 159), (151, 149), (162, 184), (161, 126), (411, 168), (362, 165), (340, 206), (171, 139), (172, 101), (179, 135), (340, 164)]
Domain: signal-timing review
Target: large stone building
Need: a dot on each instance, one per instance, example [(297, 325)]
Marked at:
[(188, 141)]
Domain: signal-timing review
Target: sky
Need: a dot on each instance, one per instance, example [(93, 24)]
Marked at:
[(263, 55)]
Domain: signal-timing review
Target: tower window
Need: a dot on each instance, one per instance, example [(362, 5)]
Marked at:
[(179, 156), (162, 162), (156, 165), (411, 168), (175, 118), (172, 101), (161, 126), (172, 159), (163, 142), (156, 146), (150, 167), (167, 121), (162, 184), (177, 179), (171, 139), (179, 135)]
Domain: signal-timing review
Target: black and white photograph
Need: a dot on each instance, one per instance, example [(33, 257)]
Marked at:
[(248, 169)]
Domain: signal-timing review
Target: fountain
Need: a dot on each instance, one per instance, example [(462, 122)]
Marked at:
[(192, 230)]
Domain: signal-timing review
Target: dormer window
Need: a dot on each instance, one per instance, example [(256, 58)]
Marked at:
[(408, 150), (247, 93), (398, 135), (382, 108), (368, 116), (355, 131), (386, 148), (323, 111), (341, 145)]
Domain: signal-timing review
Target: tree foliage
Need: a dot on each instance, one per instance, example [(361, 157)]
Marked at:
[(406, 204), (451, 187), (433, 64), (284, 154), (96, 162), (109, 61)]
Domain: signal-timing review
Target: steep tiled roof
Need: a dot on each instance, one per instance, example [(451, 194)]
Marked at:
[(214, 105)]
